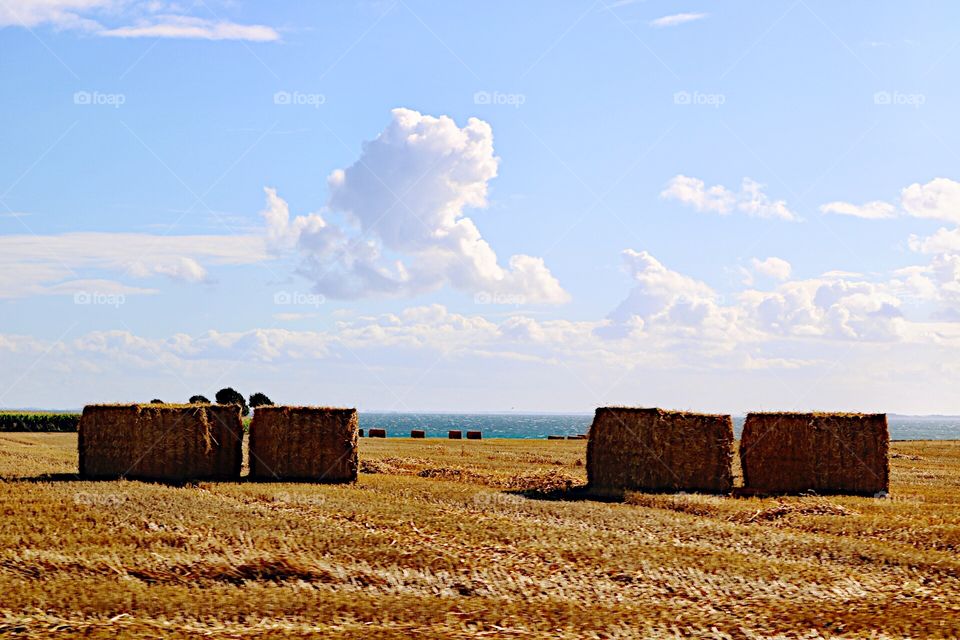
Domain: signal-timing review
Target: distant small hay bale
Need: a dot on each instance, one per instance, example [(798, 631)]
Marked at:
[(418, 433), (304, 443), (556, 438), (455, 435), (377, 433), (579, 436), (161, 442), (474, 435), (656, 450), (361, 433), (822, 452)]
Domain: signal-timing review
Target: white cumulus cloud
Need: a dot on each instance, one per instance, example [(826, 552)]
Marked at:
[(772, 267), (875, 210), (938, 199), (751, 199), (405, 198)]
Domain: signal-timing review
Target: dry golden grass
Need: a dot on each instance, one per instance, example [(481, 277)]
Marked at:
[(459, 539)]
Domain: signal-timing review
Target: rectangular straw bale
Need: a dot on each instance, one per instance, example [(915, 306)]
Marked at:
[(474, 435), (455, 435), (161, 442), (418, 433), (377, 433), (656, 450), (304, 443), (822, 452)]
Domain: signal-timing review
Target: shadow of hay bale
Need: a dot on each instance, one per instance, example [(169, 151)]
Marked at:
[(579, 493)]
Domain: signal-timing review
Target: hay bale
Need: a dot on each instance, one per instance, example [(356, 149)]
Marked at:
[(418, 433), (378, 433), (822, 452), (304, 443), (361, 433), (455, 435), (656, 450), (579, 436), (556, 438), (161, 442), (474, 435)]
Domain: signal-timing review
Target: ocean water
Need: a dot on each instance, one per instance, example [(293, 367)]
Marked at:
[(496, 425)]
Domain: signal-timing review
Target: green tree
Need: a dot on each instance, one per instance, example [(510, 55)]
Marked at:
[(260, 400), (198, 399), (156, 401), (229, 395)]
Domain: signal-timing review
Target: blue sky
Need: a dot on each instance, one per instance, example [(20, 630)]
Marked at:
[(481, 206)]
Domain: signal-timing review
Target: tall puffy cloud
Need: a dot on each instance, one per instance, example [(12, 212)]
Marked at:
[(751, 199), (405, 197)]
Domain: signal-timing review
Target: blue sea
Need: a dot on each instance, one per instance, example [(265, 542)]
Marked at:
[(499, 425)]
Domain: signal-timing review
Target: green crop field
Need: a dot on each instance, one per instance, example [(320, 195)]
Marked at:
[(38, 421)]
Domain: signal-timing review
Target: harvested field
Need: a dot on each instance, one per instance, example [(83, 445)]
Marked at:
[(657, 450), (437, 544), (161, 442), (304, 443), (822, 452)]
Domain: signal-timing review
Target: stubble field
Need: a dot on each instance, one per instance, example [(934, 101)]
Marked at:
[(463, 539)]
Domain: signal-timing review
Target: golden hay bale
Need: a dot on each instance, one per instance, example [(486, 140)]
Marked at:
[(377, 433), (822, 452), (474, 435), (418, 433), (161, 442), (656, 450), (304, 443), (455, 435)]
